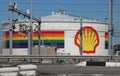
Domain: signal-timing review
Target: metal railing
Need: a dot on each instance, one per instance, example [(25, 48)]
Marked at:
[(55, 57)]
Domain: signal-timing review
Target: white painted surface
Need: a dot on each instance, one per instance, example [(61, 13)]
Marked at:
[(28, 73), (110, 64), (27, 67), (118, 64), (9, 74), (9, 69), (81, 64), (25, 70), (70, 25)]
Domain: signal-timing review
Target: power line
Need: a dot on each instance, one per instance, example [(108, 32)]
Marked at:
[(39, 3), (2, 10), (90, 11)]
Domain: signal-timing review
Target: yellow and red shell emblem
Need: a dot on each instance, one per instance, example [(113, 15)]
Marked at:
[(90, 39)]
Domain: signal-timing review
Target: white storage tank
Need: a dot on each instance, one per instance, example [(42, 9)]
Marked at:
[(62, 31)]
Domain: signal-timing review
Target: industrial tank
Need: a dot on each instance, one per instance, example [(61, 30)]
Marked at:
[(63, 32)]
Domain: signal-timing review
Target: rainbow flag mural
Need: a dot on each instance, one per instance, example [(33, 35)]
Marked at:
[(106, 40), (50, 38)]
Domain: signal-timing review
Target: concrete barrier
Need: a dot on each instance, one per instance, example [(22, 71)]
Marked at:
[(9, 74), (27, 70), (24, 70), (9, 71), (28, 73), (110, 64), (27, 67)]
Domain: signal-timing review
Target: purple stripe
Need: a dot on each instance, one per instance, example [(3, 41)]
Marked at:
[(26, 46), (60, 46), (20, 46), (106, 46)]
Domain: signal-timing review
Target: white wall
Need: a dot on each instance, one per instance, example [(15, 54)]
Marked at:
[(70, 29)]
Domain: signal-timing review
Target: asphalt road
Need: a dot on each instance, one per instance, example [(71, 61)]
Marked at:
[(72, 69)]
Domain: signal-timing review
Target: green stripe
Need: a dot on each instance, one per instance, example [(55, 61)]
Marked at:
[(106, 42), (18, 41)]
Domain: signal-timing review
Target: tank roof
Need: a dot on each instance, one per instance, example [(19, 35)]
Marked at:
[(62, 16)]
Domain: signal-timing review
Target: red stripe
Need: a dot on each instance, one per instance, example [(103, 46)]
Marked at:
[(106, 34), (36, 33), (52, 32)]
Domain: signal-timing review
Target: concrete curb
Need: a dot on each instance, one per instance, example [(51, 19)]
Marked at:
[(106, 64)]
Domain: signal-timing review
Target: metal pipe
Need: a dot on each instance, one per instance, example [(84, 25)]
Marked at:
[(10, 31), (39, 37), (110, 28), (81, 36), (30, 31)]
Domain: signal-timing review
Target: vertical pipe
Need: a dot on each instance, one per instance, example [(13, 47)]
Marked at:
[(81, 36), (39, 37), (10, 33), (30, 31), (31, 42), (29, 49), (2, 40), (110, 28)]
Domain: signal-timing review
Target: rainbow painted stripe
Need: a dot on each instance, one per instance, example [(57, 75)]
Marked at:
[(106, 40), (54, 38)]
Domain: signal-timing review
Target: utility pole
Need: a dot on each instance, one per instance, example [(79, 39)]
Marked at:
[(12, 8), (110, 28), (30, 31), (81, 52), (39, 37), (10, 30)]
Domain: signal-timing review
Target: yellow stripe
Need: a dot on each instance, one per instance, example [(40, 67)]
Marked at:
[(106, 39), (36, 38)]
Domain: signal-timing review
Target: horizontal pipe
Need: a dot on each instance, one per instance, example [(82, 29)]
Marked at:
[(54, 57)]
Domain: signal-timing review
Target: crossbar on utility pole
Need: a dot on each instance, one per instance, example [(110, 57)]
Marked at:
[(23, 13)]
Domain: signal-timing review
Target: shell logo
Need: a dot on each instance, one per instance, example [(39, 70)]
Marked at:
[(90, 39)]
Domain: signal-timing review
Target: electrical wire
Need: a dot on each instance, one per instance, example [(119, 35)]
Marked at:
[(56, 3)]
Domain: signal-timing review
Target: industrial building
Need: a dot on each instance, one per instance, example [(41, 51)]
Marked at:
[(61, 31)]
